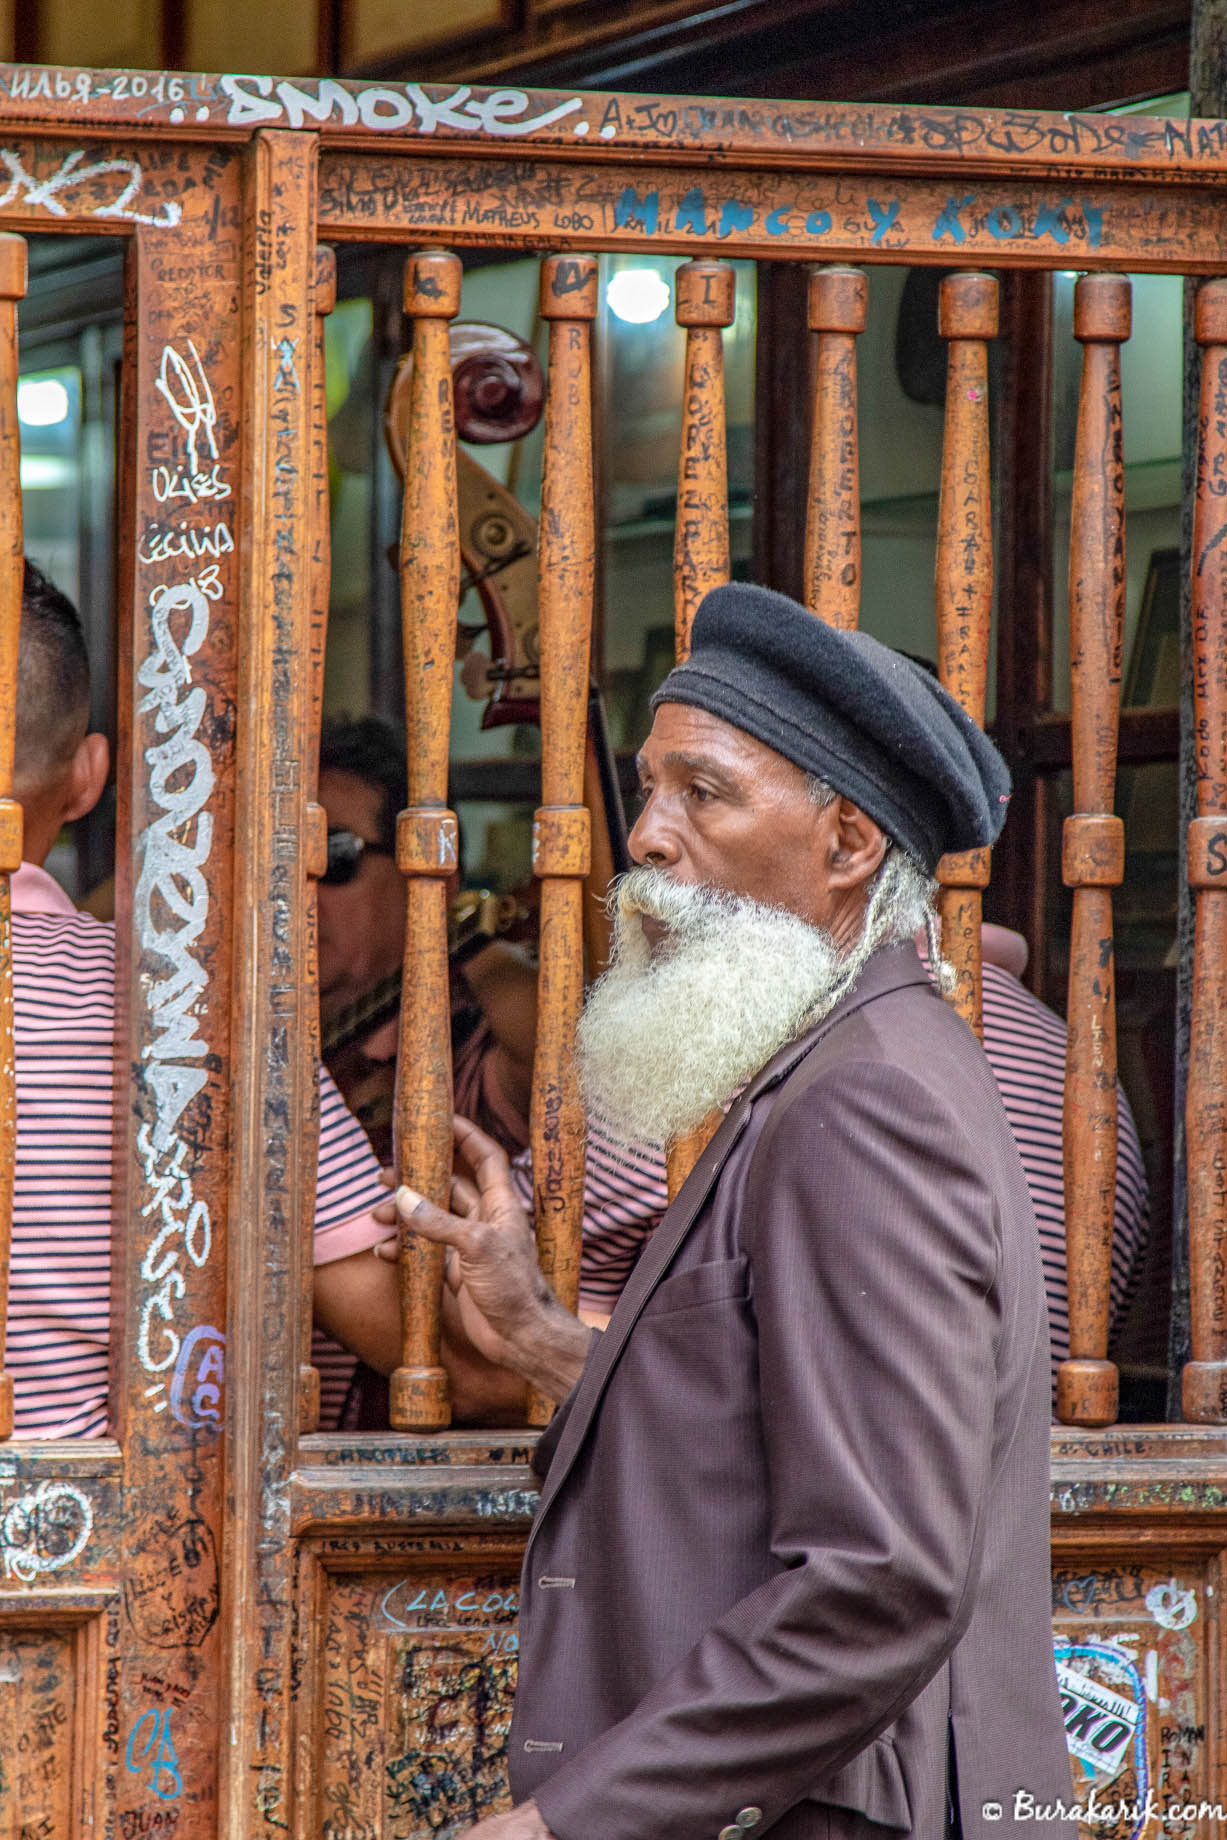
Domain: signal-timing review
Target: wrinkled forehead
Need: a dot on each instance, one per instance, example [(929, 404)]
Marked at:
[(683, 735)]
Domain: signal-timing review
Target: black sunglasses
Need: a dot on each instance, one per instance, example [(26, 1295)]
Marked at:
[(345, 852)]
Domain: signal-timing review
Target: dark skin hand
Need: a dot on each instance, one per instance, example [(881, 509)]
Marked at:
[(504, 1308)]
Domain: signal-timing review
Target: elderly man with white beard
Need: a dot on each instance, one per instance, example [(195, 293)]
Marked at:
[(789, 1570)]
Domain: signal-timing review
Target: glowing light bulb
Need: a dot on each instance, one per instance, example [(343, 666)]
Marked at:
[(42, 402), (637, 295)]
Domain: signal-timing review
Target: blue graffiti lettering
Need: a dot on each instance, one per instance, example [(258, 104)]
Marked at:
[(818, 223), (1004, 220), (692, 212), (1094, 223), (157, 1753), (639, 213), (777, 220), (1048, 221), (948, 219), (735, 217), (883, 216), (199, 1377)]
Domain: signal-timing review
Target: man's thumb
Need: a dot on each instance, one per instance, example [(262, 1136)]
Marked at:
[(422, 1215)]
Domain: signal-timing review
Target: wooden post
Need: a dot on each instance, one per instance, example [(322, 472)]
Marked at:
[(12, 288), (315, 852), (838, 301), (562, 826), (967, 318), (1204, 1378), (1093, 849), (426, 836), (705, 305)]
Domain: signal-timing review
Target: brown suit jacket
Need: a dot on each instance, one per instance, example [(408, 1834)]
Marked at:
[(794, 1529)]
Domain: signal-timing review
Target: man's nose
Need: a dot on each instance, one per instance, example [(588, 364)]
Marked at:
[(652, 839)]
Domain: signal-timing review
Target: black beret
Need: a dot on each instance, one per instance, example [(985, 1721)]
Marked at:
[(867, 720)]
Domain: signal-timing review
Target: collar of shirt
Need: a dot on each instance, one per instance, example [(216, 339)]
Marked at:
[(36, 892)]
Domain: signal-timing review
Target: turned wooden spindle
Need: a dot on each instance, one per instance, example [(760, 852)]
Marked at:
[(1204, 1380), (1093, 848), (705, 304), (426, 833), (967, 318), (562, 826), (316, 839), (838, 301), (12, 289)]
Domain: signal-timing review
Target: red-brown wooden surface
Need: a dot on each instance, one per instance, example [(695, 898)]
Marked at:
[(1093, 851), (967, 319), (426, 844), (562, 825), (838, 303), (334, 1653), (1204, 1384), (272, 1183), (315, 850), (705, 304)]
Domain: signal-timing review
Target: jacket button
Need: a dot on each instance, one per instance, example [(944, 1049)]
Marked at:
[(749, 1817), (730, 1833)]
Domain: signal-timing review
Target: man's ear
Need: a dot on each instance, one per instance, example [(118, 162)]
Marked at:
[(86, 777), (858, 846)]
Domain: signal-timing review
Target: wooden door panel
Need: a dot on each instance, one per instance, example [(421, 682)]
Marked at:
[(60, 1733), (1135, 1632), (408, 1663)]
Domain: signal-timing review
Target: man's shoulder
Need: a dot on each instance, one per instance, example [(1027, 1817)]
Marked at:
[(893, 1045)]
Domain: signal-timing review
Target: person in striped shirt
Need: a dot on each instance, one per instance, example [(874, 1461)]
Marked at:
[(64, 1021), (1024, 1043)]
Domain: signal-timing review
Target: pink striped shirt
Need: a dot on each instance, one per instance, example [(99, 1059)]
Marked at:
[(59, 1286)]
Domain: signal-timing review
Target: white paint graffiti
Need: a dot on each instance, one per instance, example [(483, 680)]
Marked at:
[(171, 885), (185, 1226), (70, 173), (45, 1530), (191, 402), (387, 107), (1171, 1605), (171, 900)]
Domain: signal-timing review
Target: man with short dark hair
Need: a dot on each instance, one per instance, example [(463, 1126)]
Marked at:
[(790, 1566), (64, 1020)]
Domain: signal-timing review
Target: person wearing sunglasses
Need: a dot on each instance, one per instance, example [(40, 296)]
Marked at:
[(362, 787)]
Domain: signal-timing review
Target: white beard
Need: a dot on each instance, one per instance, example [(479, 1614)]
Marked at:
[(665, 1038)]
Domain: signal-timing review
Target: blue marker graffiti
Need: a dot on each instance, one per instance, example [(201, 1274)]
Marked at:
[(156, 1753), (199, 1376), (1006, 221), (637, 213), (1057, 222)]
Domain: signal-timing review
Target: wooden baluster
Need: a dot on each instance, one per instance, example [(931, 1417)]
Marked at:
[(1204, 1380), (562, 826), (12, 289), (967, 317), (316, 852), (1093, 848), (426, 834), (705, 304), (838, 300)]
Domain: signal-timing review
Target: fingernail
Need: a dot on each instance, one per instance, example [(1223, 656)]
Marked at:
[(408, 1199)]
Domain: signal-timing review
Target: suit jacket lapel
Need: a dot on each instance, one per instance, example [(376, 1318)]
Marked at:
[(886, 970)]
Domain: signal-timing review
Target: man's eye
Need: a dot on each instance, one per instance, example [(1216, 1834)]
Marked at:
[(700, 794)]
